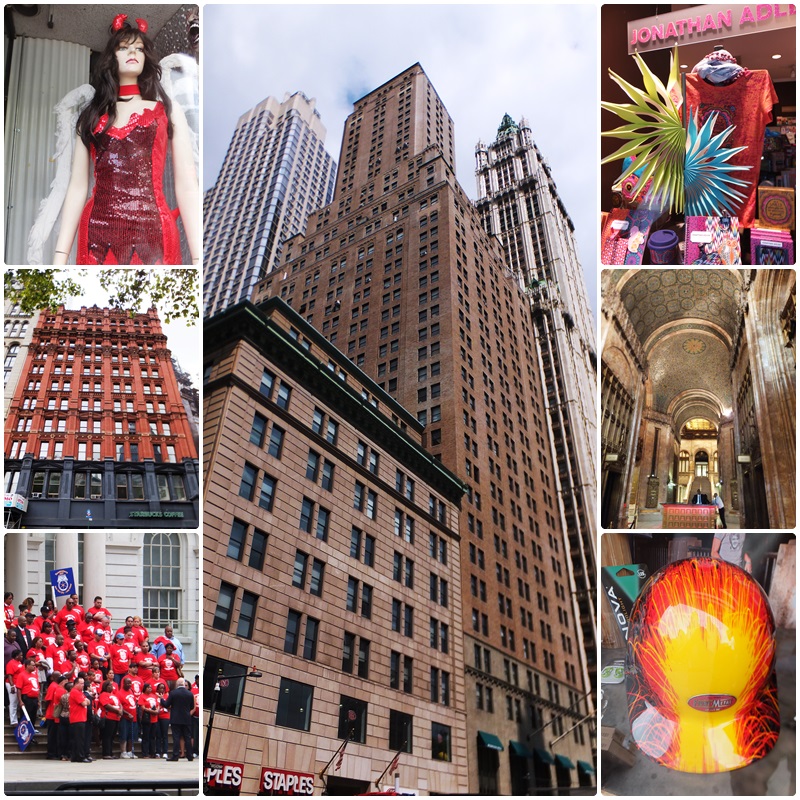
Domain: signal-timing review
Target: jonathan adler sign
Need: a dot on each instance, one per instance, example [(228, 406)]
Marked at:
[(707, 22)]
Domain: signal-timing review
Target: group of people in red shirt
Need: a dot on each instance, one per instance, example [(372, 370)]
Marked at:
[(88, 680)]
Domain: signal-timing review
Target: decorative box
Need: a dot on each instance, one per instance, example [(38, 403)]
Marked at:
[(775, 207)]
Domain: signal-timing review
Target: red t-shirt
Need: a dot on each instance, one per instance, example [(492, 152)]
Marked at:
[(149, 702), (132, 645), (83, 660), (12, 668), (137, 683), (64, 615), (98, 650), (163, 713), (77, 711), (108, 635), (55, 691), (35, 652), (145, 662), (128, 701), (168, 666), (27, 683), (747, 104), (196, 692), (10, 616), (111, 699), (140, 634), (120, 658)]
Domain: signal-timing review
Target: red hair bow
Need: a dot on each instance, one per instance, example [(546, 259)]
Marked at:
[(119, 21)]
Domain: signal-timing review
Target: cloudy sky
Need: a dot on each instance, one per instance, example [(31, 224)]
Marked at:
[(537, 61)]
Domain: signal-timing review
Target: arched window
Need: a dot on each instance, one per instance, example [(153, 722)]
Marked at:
[(161, 579), (683, 461), (716, 462), (701, 464), (11, 356)]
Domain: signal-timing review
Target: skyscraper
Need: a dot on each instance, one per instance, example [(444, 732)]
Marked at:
[(97, 434), (276, 171), (519, 204), (400, 275)]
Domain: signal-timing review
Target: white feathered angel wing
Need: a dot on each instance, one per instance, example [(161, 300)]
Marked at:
[(180, 79), (67, 112)]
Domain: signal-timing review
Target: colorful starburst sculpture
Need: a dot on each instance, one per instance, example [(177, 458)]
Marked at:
[(707, 175), (689, 166), (654, 135)]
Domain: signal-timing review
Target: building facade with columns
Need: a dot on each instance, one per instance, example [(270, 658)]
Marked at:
[(151, 574), (96, 433)]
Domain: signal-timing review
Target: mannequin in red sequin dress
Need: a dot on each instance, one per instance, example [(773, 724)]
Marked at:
[(125, 133)]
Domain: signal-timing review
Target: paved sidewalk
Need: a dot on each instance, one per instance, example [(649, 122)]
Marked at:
[(42, 775)]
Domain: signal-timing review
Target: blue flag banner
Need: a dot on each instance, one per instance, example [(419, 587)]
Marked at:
[(62, 581), (24, 734)]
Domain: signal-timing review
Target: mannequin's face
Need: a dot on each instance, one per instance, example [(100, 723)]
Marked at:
[(130, 58)]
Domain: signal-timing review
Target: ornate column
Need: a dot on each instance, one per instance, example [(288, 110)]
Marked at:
[(773, 371)]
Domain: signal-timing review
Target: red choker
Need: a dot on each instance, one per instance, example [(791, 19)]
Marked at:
[(129, 90)]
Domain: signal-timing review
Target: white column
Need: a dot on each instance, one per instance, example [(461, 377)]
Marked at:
[(66, 555), (16, 566), (94, 567)]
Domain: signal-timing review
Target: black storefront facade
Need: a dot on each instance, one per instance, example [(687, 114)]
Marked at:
[(101, 494)]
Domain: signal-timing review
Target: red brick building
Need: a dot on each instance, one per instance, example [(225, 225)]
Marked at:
[(97, 434)]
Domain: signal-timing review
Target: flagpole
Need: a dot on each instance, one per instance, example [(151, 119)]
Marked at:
[(392, 765), (325, 768), (32, 729)]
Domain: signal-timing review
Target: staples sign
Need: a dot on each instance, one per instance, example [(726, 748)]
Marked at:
[(223, 777), (281, 781)]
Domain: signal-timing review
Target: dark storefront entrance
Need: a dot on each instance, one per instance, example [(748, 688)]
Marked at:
[(346, 786)]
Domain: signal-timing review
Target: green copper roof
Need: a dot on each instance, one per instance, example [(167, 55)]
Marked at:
[(507, 127)]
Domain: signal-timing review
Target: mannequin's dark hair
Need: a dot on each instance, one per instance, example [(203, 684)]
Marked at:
[(105, 80)]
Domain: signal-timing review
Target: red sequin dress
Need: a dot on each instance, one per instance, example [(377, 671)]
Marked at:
[(127, 219)]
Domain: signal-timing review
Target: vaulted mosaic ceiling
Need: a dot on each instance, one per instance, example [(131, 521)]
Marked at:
[(654, 298), (690, 365)]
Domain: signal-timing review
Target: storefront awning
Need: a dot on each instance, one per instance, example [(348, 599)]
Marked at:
[(519, 750), (490, 741), (563, 761), (587, 768), (543, 755)]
